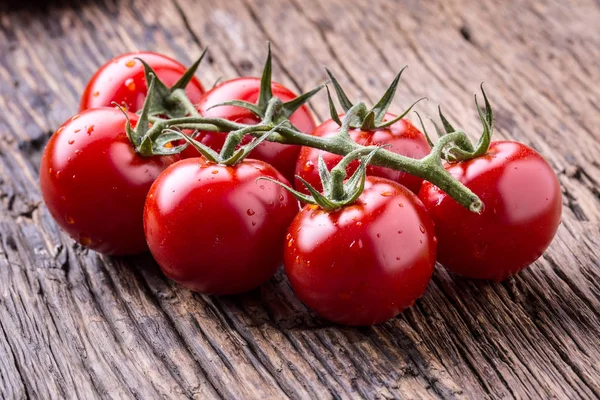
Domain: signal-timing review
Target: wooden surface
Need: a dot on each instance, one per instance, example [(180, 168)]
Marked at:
[(79, 325)]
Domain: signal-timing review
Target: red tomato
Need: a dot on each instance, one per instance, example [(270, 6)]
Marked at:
[(123, 81), (214, 229), (402, 137), (523, 205), (283, 157), (95, 184), (366, 262)]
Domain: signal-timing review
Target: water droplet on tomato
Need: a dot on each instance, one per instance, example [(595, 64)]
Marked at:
[(59, 130), (74, 117), (214, 171), (71, 141), (288, 236), (422, 228), (420, 241), (435, 240), (73, 177), (400, 205), (250, 212), (398, 258), (253, 223), (360, 244), (308, 166), (386, 194), (57, 174), (281, 198), (70, 220), (76, 130), (85, 241), (358, 223), (290, 242), (50, 171), (130, 63), (400, 232), (130, 83), (78, 152), (96, 94), (378, 235), (90, 129), (262, 187)]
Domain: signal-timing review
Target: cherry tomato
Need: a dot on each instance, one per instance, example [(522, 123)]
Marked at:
[(122, 80), (402, 137), (214, 228), (366, 262), (283, 157), (95, 184), (522, 212)]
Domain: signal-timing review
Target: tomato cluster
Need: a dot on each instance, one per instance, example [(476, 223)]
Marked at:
[(358, 252)]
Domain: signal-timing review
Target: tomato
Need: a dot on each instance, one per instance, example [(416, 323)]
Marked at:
[(283, 157), (95, 184), (522, 199), (122, 80), (366, 262), (213, 228), (402, 137)]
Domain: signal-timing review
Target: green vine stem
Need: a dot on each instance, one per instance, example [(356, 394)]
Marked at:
[(429, 168)]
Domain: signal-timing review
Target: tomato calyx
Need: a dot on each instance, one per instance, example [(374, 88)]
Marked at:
[(461, 148), (338, 191), (170, 101), (260, 109), (365, 119), (144, 142)]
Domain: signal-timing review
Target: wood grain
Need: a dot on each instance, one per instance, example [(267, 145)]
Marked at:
[(75, 324)]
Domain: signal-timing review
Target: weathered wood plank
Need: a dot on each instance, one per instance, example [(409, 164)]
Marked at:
[(75, 324)]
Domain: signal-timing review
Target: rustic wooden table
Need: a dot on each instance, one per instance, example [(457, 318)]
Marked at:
[(77, 324)]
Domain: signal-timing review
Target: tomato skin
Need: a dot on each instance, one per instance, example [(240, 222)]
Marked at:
[(214, 229), (523, 205), (365, 263), (95, 185), (282, 157), (122, 80), (402, 137)]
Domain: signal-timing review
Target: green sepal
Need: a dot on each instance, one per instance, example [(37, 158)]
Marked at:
[(368, 123), (332, 111), (386, 100), (203, 149), (290, 107), (138, 136), (159, 144), (447, 126), (189, 73), (324, 175), (341, 95), (299, 195), (256, 110), (429, 141), (160, 97), (245, 151), (488, 125), (399, 117), (266, 91)]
